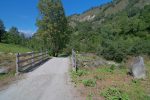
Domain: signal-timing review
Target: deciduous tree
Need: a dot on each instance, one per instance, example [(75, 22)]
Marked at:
[(52, 25)]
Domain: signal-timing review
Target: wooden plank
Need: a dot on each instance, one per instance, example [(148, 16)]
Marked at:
[(34, 62), (21, 61), (42, 56), (27, 54)]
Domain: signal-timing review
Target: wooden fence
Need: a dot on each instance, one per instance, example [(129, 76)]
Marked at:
[(31, 59), (74, 60)]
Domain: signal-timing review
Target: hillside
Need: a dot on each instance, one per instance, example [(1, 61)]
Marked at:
[(101, 12), (115, 30)]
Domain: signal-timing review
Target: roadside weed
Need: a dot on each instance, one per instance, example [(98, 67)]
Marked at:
[(89, 82)]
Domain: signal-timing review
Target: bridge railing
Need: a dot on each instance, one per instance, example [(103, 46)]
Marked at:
[(74, 60), (30, 59)]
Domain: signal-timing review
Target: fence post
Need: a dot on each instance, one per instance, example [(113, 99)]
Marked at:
[(32, 58), (42, 55), (46, 53), (17, 63), (74, 60)]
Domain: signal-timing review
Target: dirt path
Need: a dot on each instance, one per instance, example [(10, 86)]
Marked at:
[(49, 82)]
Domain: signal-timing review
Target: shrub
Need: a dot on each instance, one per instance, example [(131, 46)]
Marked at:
[(81, 72), (89, 82), (113, 93), (112, 67)]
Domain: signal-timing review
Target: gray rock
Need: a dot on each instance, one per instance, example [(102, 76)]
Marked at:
[(138, 68), (4, 70)]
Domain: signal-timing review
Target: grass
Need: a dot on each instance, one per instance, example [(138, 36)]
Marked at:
[(7, 59), (6, 79), (113, 93), (11, 48), (4, 76), (79, 73), (112, 83), (89, 82)]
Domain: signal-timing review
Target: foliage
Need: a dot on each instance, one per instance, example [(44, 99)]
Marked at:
[(119, 35), (89, 82), (11, 48), (52, 25), (113, 93), (2, 30), (12, 36), (79, 73)]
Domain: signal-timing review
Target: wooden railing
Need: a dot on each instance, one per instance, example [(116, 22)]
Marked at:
[(74, 60), (27, 60)]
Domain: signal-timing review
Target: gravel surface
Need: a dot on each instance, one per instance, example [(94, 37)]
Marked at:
[(50, 81)]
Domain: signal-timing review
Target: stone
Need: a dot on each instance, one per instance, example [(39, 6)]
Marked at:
[(138, 68), (4, 70)]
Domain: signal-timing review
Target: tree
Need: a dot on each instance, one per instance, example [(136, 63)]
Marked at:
[(52, 25), (14, 35), (2, 29)]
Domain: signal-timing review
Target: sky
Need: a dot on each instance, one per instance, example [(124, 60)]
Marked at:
[(23, 13)]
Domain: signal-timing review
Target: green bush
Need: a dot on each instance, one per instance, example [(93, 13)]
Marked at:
[(89, 82), (113, 93)]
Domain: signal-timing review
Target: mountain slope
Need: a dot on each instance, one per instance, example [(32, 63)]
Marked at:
[(109, 9), (115, 30)]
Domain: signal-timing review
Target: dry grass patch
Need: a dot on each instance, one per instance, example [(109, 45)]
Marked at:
[(7, 60)]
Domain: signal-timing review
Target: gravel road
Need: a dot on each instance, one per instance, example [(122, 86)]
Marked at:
[(50, 81)]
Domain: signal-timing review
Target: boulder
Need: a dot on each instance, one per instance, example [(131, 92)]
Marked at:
[(138, 68), (4, 70)]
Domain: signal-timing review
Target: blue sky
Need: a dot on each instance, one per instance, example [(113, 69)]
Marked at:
[(23, 13)]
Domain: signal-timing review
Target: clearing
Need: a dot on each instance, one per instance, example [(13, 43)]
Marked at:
[(48, 82)]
